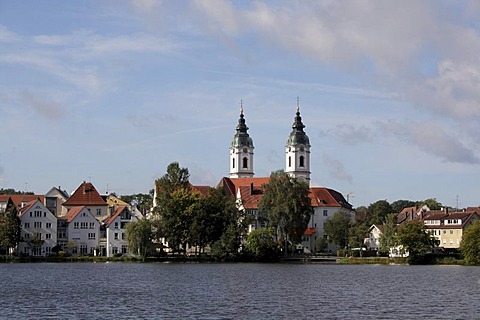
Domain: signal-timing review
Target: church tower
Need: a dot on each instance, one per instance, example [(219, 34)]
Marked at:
[(241, 151), (297, 150)]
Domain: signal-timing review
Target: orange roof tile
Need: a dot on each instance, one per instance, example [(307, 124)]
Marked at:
[(250, 199), (231, 185), (73, 212), (324, 197), (26, 207), (85, 195), (18, 199), (118, 210)]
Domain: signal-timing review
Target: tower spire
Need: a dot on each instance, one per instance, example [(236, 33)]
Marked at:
[(297, 149), (241, 150)]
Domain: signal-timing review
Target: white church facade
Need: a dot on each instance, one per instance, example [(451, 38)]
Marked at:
[(242, 183)]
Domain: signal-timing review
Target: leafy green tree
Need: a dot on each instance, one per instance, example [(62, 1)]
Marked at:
[(399, 205), (139, 236), (227, 247), (261, 244), (142, 201), (286, 205), (414, 238), (388, 238), (357, 233), (35, 242), (432, 203), (470, 245), (377, 212), (337, 228), (9, 228)]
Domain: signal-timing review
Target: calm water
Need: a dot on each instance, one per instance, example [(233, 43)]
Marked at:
[(237, 291)]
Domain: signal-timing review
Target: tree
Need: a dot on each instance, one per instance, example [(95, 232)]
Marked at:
[(227, 247), (261, 244), (356, 234), (399, 205), (414, 238), (286, 205), (337, 228), (377, 212), (388, 238), (470, 245), (142, 201), (139, 237), (9, 228), (432, 203)]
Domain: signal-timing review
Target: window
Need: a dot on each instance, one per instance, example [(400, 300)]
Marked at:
[(49, 225), (451, 231), (48, 250), (116, 225), (91, 236), (62, 234), (99, 212), (123, 236), (37, 224), (124, 248), (289, 161), (233, 163), (115, 236), (83, 225), (114, 250), (76, 225), (245, 162), (92, 225), (325, 213), (92, 250), (26, 225), (83, 249), (325, 237), (48, 236), (302, 161), (444, 232)]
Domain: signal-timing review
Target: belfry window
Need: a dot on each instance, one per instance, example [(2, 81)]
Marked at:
[(245, 162), (289, 161), (302, 161), (233, 163)]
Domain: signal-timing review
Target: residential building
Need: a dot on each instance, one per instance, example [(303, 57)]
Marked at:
[(54, 200), (83, 231), (38, 229), (20, 200), (115, 226), (87, 195)]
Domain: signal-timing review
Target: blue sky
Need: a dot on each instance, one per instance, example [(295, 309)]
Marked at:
[(113, 91)]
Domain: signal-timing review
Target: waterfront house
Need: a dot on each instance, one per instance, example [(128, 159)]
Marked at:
[(38, 229), (54, 200), (115, 227), (20, 200), (83, 231), (86, 195)]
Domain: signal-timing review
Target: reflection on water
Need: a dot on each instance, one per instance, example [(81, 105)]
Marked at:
[(237, 291)]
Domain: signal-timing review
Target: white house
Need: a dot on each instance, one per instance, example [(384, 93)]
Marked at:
[(38, 229), (83, 230), (116, 230)]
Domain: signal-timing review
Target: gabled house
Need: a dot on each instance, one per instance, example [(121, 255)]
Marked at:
[(448, 228), (412, 213), (83, 231), (38, 229), (373, 240), (115, 226), (325, 203), (86, 195), (20, 200), (54, 200)]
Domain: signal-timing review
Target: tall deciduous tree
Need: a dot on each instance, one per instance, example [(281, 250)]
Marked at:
[(337, 228), (139, 236), (377, 212), (9, 227), (414, 238), (286, 205), (261, 244), (470, 245), (388, 238)]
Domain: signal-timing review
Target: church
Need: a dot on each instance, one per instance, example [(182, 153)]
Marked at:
[(242, 183)]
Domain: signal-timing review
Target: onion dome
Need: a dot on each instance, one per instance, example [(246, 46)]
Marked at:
[(241, 138), (298, 136)]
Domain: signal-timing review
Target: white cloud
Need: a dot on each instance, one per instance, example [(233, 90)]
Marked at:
[(336, 168), (6, 35), (432, 139)]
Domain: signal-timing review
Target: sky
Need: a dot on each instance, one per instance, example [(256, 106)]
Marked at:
[(113, 91)]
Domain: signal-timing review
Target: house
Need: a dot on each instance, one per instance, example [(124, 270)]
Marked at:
[(325, 203), (38, 229), (54, 200), (83, 231), (448, 228), (20, 200), (412, 213), (86, 195), (373, 240), (115, 226)]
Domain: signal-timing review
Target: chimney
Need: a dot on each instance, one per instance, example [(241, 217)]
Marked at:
[(251, 188)]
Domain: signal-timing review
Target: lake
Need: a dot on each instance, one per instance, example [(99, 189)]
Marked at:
[(237, 291)]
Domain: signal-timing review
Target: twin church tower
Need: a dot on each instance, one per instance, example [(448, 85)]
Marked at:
[(297, 151)]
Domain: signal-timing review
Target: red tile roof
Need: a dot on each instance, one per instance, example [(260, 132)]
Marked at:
[(85, 195), (324, 197), (117, 212), (203, 190), (73, 212), (26, 207), (310, 231), (18, 199), (230, 185), (250, 199)]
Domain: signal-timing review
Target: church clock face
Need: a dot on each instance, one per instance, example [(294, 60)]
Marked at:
[(302, 149), (244, 150)]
